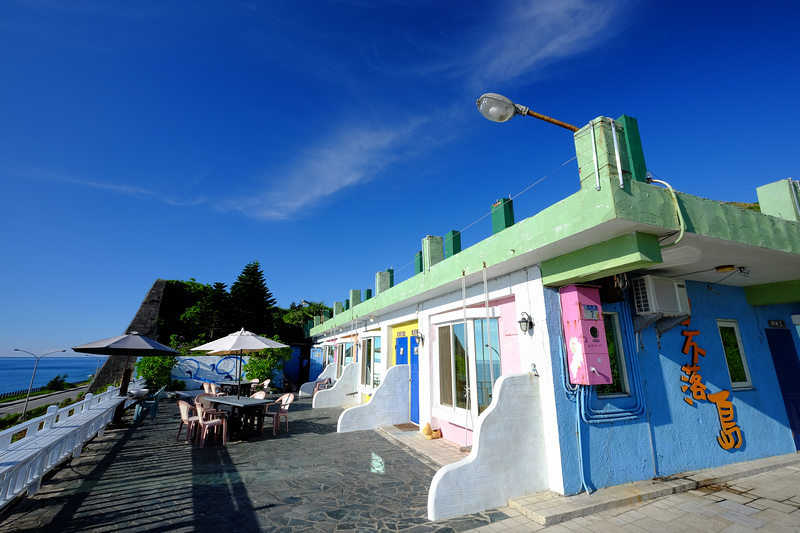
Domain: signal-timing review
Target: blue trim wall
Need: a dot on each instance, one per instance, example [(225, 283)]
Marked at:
[(671, 436)]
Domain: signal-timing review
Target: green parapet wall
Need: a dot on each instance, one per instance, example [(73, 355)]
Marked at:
[(502, 215), (615, 256), (780, 199), (773, 293), (633, 143), (452, 243)]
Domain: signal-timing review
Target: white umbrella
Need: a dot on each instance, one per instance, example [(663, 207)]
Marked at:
[(238, 343)]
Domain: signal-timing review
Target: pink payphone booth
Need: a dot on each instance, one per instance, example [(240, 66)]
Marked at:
[(585, 335)]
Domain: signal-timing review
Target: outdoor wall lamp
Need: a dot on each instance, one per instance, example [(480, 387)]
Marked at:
[(525, 323), (420, 339), (498, 108)]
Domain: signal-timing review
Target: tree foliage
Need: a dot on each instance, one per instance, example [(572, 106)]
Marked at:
[(157, 371), (264, 364), (58, 383), (252, 303)]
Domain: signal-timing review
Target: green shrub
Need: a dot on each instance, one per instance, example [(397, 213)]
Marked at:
[(156, 370), (58, 383)]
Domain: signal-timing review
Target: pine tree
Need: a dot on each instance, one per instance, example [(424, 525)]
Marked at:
[(252, 303)]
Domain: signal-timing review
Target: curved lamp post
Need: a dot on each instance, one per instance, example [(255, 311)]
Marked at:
[(25, 409), (498, 108), (97, 369)]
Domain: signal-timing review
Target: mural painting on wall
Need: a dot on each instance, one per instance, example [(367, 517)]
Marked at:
[(730, 436), (208, 368)]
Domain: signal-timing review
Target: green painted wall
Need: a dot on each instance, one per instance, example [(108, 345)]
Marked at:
[(773, 293), (780, 199), (621, 254), (637, 202)]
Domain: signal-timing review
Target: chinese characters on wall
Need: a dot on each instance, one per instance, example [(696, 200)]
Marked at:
[(730, 434)]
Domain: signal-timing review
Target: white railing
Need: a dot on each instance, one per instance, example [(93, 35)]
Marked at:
[(46, 441)]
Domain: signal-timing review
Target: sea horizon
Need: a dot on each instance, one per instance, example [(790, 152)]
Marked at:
[(16, 371)]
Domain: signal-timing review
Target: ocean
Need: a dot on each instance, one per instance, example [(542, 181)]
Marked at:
[(15, 372)]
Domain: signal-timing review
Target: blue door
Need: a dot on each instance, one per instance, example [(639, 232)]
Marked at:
[(401, 351), (406, 353), (413, 354), (787, 367)]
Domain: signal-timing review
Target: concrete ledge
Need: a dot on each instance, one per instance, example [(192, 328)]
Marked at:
[(548, 508)]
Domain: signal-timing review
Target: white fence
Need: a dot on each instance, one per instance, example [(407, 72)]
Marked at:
[(49, 439)]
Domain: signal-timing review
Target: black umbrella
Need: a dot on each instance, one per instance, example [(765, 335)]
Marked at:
[(129, 345)]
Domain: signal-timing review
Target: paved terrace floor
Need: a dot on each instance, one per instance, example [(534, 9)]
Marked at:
[(138, 478)]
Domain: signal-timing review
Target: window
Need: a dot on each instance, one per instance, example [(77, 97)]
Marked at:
[(462, 377), (329, 355), (616, 357), (371, 348), (452, 366), (487, 356), (734, 354), (344, 356)]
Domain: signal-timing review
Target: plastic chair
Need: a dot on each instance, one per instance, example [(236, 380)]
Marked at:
[(187, 418), (205, 400), (259, 395), (207, 387), (216, 390), (282, 411), (265, 385), (207, 423), (321, 385)]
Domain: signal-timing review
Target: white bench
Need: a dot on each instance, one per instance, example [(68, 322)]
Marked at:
[(49, 440)]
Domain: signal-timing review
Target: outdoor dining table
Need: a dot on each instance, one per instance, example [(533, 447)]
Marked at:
[(231, 387), (247, 415)]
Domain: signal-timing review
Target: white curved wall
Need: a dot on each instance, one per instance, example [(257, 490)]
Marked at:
[(307, 389), (388, 405), (343, 393), (508, 458)]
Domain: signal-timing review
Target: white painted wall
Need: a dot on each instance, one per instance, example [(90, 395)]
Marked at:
[(307, 389), (508, 458), (388, 405), (537, 349), (343, 393)]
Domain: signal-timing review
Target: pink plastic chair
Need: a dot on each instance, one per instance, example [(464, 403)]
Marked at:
[(207, 423), (260, 395), (205, 399), (187, 418), (281, 411)]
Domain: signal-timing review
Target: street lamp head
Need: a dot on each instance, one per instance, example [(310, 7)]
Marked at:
[(498, 108)]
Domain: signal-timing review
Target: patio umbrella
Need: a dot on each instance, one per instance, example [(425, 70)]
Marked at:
[(130, 345), (238, 343)]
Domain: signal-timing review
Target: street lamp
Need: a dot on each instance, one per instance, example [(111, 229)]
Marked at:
[(498, 108), (97, 369), (37, 357)]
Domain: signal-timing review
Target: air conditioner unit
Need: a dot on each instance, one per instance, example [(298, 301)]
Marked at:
[(667, 296)]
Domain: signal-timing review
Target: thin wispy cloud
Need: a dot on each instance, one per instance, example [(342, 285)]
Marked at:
[(520, 42), (39, 174), (532, 35), (349, 157)]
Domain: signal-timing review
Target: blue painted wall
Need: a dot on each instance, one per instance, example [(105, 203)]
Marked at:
[(672, 436)]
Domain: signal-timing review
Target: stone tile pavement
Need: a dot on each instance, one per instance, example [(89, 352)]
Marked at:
[(139, 478), (759, 495), (312, 479)]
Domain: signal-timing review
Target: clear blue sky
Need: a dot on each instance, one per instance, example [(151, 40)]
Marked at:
[(178, 140)]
